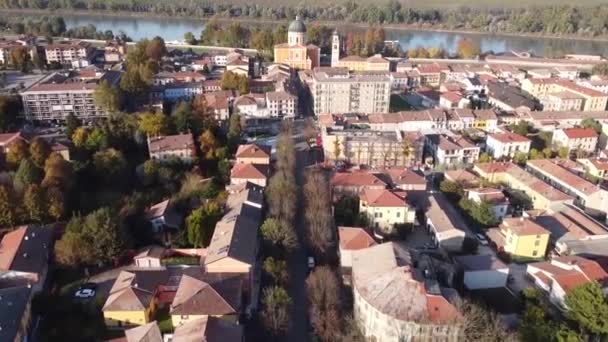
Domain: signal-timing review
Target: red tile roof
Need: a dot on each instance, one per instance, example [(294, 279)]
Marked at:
[(253, 151), (580, 133), (357, 178), (354, 238), (249, 171), (523, 226), (383, 198), (509, 137)]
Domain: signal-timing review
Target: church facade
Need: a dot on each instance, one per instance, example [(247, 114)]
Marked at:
[(296, 53)]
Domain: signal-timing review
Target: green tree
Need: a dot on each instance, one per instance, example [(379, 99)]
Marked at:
[(535, 154), (234, 131), (182, 117), (39, 151), (152, 124), (520, 158), (588, 307), (277, 269), (563, 153), (522, 128), (71, 124), (107, 97), (451, 189), (592, 123), (200, 224), (111, 166), (189, 38), (276, 305), (28, 173), (8, 215), (34, 203), (277, 233), (485, 158), (96, 139)]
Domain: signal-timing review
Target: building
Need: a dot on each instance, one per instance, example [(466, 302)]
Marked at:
[(385, 209), (15, 314), (542, 195), (115, 51), (7, 47), (209, 329), (336, 90), (507, 145), (483, 271), (596, 167), (451, 99), (593, 100), (559, 276), (395, 301), (352, 239), (431, 75), (180, 146), (251, 105), (463, 177), (586, 194), (521, 238), (281, 104), (356, 63), (405, 179), (447, 150), (576, 139), (355, 183), (220, 103), (24, 256), (296, 53), (149, 257), (60, 94), (7, 139), (563, 100), (67, 51), (162, 215), (508, 97), (144, 333), (253, 173), (444, 223), (494, 197), (253, 154), (177, 91)]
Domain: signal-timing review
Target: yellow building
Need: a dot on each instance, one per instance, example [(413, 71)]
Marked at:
[(296, 53), (521, 238), (597, 167), (373, 63), (386, 208), (594, 100), (132, 301)]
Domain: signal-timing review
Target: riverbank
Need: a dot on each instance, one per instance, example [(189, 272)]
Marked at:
[(269, 22)]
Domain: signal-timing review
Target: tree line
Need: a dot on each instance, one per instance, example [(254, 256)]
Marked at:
[(547, 19)]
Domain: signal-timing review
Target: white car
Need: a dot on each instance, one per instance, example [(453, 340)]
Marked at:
[(85, 293), (311, 262), (482, 240)]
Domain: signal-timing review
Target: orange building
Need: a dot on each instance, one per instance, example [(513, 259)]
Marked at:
[(296, 53)]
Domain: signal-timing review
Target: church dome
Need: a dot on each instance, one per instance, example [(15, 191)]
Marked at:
[(297, 26)]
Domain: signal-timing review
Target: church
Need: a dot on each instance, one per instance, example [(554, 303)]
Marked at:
[(295, 52)]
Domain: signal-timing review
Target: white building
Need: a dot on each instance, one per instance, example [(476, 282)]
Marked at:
[(176, 91), (281, 104), (483, 271), (452, 150), (180, 146), (493, 197), (507, 145), (252, 104), (579, 139), (445, 224), (386, 208), (352, 239), (67, 51)]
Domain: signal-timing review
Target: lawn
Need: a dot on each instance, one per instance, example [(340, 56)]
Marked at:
[(398, 104)]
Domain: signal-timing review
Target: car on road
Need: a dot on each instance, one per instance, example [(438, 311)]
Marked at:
[(482, 240), (311, 262), (85, 293)]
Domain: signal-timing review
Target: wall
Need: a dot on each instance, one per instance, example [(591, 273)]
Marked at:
[(488, 279)]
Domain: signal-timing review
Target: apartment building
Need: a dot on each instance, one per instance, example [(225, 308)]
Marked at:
[(586, 194), (431, 75), (281, 104), (520, 237), (562, 100), (386, 208), (7, 46), (579, 139), (356, 63), (539, 87), (507, 97), (180, 146), (67, 51), (450, 151), (336, 90), (507, 145), (57, 95)]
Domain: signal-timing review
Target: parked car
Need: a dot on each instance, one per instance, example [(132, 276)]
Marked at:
[(85, 293), (311, 262), (482, 240)]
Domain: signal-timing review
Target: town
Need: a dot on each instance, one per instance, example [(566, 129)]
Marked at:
[(154, 191)]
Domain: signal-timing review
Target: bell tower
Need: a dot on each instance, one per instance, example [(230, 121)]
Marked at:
[(335, 49)]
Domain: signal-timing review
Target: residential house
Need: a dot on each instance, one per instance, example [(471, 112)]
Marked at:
[(24, 256), (214, 295), (7, 139), (484, 271), (355, 183), (357, 63), (451, 100), (220, 102), (494, 197), (282, 104), (586, 194), (444, 223), (254, 173), (463, 177), (251, 105), (395, 301), (352, 239), (593, 99), (15, 314), (180, 146), (163, 215), (149, 257), (507, 145), (450, 151), (209, 329), (596, 167), (520, 237), (253, 154), (562, 100), (509, 98), (559, 276), (144, 333), (430, 74), (576, 139), (67, 51), (386, 208), (405, 179)]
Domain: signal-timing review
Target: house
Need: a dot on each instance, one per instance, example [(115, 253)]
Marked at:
[(180, 146), (462, 177), (133, 298), (450, 100), (355, 183), (562, 100), (494, 197), (386, 208), (520, 237), (444, 223), (162, 215), (216, 295), (507, 145), (209, 329), (405, 179), (561, 275), (576, 139), (144, 333), (253, 154), (596, 167), (482, 271), (394, 300), (220, 102), (593, 100), (24, 256), (6, 139), (251, 105), (253, 173), (452, 150), (15, 313), (352, 239), (509, 98), (282, 104), (149, 256)]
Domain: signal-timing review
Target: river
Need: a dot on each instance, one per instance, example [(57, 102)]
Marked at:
[(174, 29)]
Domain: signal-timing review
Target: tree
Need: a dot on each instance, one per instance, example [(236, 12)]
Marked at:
[(182, 117), (97, 139), (337, 150), (451, 189), (234, 131), (592, 123), (111, 166), (18, 150), (152, 124), (520, 158), (276, 309), (58, 172), (201, 223), (8, 215), (56, 203), (71, 124), (588, 306), (482, 324), (107, 97), (39, 151), (28, 173), (485, 158), (156, 49), (601, 69), (323, 289), (522, 128), (317, 212), (189, 38), (468, 49), (10, 106), (234, 81), (277, 269), (278, 234), (563, 152), (209, 144), (34, 202), (20, 58), (535, 154)]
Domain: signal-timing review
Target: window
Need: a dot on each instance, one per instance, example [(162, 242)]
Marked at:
[(537, 242), (534, 253), (398, 214)]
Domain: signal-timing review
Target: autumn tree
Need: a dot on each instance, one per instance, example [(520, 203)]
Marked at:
[(468, 48), (28, 173), (8, 210), (71, 124), (234, 131), (234, 81), (482, 324), (277, 270), (56, 203), (18, 150), (156, 49), (39, 151), (107, 96), (9, 109), (20, 58), (152, 124), (58, 172), (324, 295), (209, 144), (200, 224), (279, 234), (34, 203), (111, 167), (317, 212), (276, 308)]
